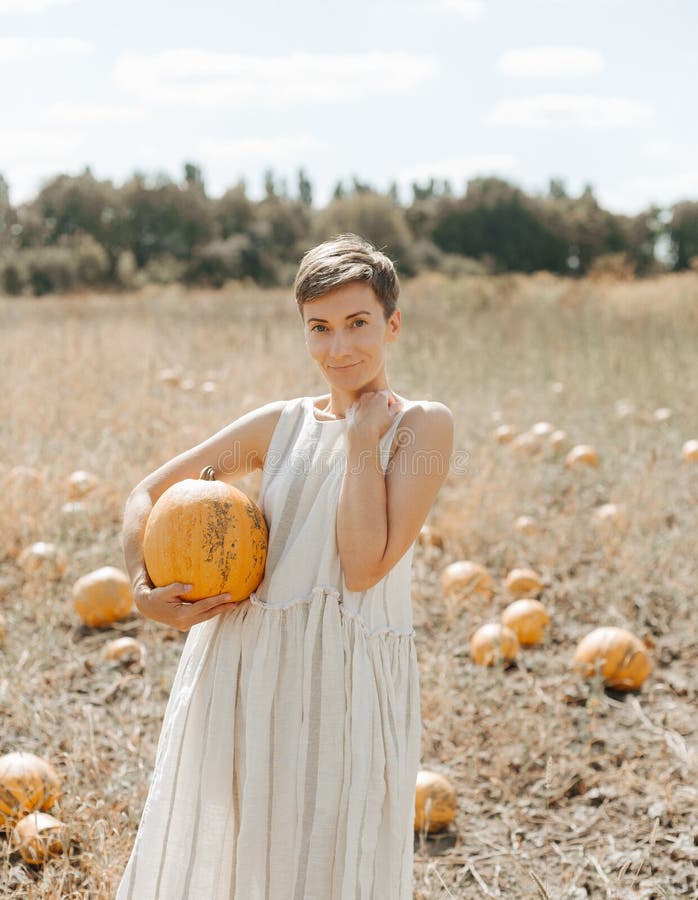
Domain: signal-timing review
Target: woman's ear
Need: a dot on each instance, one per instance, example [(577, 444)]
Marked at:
[(394, 325)]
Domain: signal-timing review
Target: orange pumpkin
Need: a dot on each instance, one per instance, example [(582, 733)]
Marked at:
[(44, 560), (493, 643), (503, 434), (38, 836), (582, 455), (435, 802), (27, 783), (124, 650), (208, 534), (467, 577), (689, 451), (527, 525), (523, 581), (81, 483), (103, 597), (528, 619), (620, 657)]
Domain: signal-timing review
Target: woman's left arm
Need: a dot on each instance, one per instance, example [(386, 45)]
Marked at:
[(379, 516)]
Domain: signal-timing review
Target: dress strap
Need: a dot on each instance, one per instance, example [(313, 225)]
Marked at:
[(386, 441)]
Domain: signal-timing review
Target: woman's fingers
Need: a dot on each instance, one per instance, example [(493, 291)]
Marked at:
[(211, 612)]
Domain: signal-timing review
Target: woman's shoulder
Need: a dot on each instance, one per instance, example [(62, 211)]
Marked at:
[(425, 409), (423, 422)]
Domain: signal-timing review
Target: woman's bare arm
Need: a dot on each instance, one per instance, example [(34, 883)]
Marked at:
[(379, 516), (235, 451)]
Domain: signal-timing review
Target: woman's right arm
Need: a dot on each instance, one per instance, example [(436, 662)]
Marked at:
[(235, 451)]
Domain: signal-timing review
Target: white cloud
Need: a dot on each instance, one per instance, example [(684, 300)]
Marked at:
[(28, 145), (636, 194), (18, 49), (199, 77), (30, 6), (565, 110), (659, 148), (459, 168), (550, 61), (667, 188), (92, 113), (469, 9), (255, 149)]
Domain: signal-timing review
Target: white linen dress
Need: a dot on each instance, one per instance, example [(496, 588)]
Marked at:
[(290, 744)]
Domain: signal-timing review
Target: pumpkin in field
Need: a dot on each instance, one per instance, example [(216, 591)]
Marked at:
[(124, 650), (81, 483), (610, 516), (430, 537), (528, 619), (468, 577), (208, 534), (527, 525), (44, 560), (38, 836), (542, 429), (523, 581), (558, 439), (103, 597), (581, 455), (27, 783), (503, 434), (689, 451), (526, 443), (493, 643), (21, 479), (435, 802), (618, 654)]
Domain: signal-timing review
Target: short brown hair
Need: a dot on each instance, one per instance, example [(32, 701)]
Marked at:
[(346, 258)]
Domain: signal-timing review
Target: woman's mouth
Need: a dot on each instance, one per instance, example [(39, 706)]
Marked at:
[(344, 368)]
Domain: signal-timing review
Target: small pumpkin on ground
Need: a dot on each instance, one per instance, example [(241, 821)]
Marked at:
[(38, 836), (43, 559), (468, 577), (618, 654), (528, 619), (27, 783), (435, 802), (493, 643), (523, 581), (103, 597)]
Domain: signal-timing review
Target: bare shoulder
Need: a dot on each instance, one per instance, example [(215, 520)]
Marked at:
[(236, 450), (428, 425), (428, 418)]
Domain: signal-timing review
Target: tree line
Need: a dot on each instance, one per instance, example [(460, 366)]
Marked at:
[(83, 232)]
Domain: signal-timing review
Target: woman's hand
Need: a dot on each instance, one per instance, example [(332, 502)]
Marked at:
[(373, 414), (167, 605)]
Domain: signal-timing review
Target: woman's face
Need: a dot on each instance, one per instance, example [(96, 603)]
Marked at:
[(346, 334)]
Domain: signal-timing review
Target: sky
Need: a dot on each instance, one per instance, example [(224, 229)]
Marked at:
[(598, 92)]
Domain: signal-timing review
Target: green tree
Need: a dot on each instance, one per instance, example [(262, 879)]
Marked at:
[(683, 233), (194, 178), (305, 188), (374, 217), (496, 219), (164, 219)]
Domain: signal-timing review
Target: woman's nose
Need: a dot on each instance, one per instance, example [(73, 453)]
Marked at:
[(338, 345)]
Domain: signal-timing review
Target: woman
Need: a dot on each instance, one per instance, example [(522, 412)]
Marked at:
[(290, 744)]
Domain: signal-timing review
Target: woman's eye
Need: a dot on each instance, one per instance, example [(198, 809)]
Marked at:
[(361, 321)]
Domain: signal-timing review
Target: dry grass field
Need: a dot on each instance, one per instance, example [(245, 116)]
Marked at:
[(566, 790)]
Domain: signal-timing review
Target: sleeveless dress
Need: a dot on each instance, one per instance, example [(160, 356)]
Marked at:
[(290, 745)]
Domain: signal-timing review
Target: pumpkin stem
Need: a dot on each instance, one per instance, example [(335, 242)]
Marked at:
[(208, 473)]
